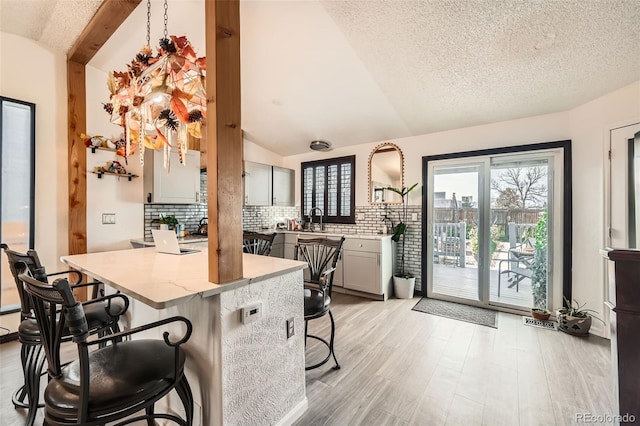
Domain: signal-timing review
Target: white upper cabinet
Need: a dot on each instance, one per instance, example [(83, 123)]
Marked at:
[(257, 184), (179, 184), (283, 181), (266, 185)]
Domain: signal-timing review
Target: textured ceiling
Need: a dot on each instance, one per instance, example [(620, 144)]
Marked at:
[(353, 72), (54, 23)]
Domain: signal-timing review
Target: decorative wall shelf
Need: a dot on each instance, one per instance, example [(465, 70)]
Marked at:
[(129, 176), (101, 148)]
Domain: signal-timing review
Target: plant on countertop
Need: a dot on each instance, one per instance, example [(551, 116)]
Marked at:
[(400, 229), (167, 220)]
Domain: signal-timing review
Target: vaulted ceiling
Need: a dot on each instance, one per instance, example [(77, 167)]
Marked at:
[(353, 72)]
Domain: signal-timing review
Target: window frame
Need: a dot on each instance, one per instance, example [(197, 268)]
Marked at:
[(337, 161), (9, 309)]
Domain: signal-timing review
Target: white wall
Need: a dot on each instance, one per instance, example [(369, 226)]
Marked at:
[(110, 194), (587, 126), (543, 128), (258, 154), (32, 73)]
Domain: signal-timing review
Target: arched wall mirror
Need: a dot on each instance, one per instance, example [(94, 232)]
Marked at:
[(386, 169)]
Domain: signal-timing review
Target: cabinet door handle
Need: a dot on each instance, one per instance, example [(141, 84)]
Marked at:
[(197, 197), (378, 259)]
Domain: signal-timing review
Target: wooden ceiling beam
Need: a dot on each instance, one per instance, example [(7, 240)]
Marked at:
[(109, 16)]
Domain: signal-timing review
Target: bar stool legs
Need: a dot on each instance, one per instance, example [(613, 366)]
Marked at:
[(27, 396), (329, 344)]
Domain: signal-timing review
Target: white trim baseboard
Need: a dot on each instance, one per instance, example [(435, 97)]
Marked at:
[(295, 413)]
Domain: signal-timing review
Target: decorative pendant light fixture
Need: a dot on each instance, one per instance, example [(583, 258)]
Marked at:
[(160, 100), (174, 98)]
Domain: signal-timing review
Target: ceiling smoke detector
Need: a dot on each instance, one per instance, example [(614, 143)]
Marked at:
[(320, 145)]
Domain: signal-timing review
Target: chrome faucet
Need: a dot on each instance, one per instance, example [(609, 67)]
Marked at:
[(310, 214)]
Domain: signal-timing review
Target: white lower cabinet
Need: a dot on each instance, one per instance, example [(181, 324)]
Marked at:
[(368, 265), (365, 266), (361, 271)]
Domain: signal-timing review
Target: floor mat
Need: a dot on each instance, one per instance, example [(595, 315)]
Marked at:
[(458, 311)]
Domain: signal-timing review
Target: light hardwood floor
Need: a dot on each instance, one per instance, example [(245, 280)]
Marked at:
[(402, 367)]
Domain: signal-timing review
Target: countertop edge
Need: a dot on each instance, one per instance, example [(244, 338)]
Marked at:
[(213, 290)]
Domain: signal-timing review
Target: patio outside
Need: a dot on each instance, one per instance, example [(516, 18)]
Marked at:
[(518, 237)]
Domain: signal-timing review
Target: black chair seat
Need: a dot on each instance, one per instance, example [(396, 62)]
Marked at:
[(96, 313), (28, 329), (117, 378), (96, 318), (315, 304)]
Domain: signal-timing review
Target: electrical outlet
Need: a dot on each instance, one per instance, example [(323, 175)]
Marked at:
[(290, 328), (360, 216), (414, 216), (108, 218)]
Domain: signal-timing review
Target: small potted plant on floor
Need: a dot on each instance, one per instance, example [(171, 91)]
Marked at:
[(540, 314), (403, 282), (574, 319)]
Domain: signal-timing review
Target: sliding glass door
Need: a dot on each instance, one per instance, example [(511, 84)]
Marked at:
[(455, 214), (490, 229), (17, 144)]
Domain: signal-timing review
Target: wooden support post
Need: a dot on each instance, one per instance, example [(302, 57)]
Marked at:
[(104, 23), (224, 140), (77, 120)]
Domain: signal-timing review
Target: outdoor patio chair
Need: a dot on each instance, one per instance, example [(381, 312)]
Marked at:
[(519, 263)]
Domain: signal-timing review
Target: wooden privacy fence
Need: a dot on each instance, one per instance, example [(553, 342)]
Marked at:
[(499, 217)]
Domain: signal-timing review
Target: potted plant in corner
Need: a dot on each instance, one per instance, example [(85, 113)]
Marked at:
[(403, 282), (574, 319)]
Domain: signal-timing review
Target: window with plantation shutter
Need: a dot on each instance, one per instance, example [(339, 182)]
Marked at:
[(330, 185)]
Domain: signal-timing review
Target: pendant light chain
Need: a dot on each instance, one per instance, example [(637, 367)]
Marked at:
[(148, 22), (166, 18)]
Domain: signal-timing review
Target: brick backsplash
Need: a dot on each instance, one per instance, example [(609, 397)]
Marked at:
[(368, 221)]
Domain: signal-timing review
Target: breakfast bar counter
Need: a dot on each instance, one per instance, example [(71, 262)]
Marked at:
[(240, 372)]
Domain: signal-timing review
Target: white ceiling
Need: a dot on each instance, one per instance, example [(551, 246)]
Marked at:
[(357, 71)]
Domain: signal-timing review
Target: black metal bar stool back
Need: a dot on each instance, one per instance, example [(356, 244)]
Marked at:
[(322, 255), (102, 313), (257, 243), (114, 381)]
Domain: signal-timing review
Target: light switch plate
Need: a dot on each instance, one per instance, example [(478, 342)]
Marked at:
[(108, 218), (414, 216)]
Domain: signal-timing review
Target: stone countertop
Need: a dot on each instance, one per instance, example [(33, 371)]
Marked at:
[(161, 280), (182, 240)]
